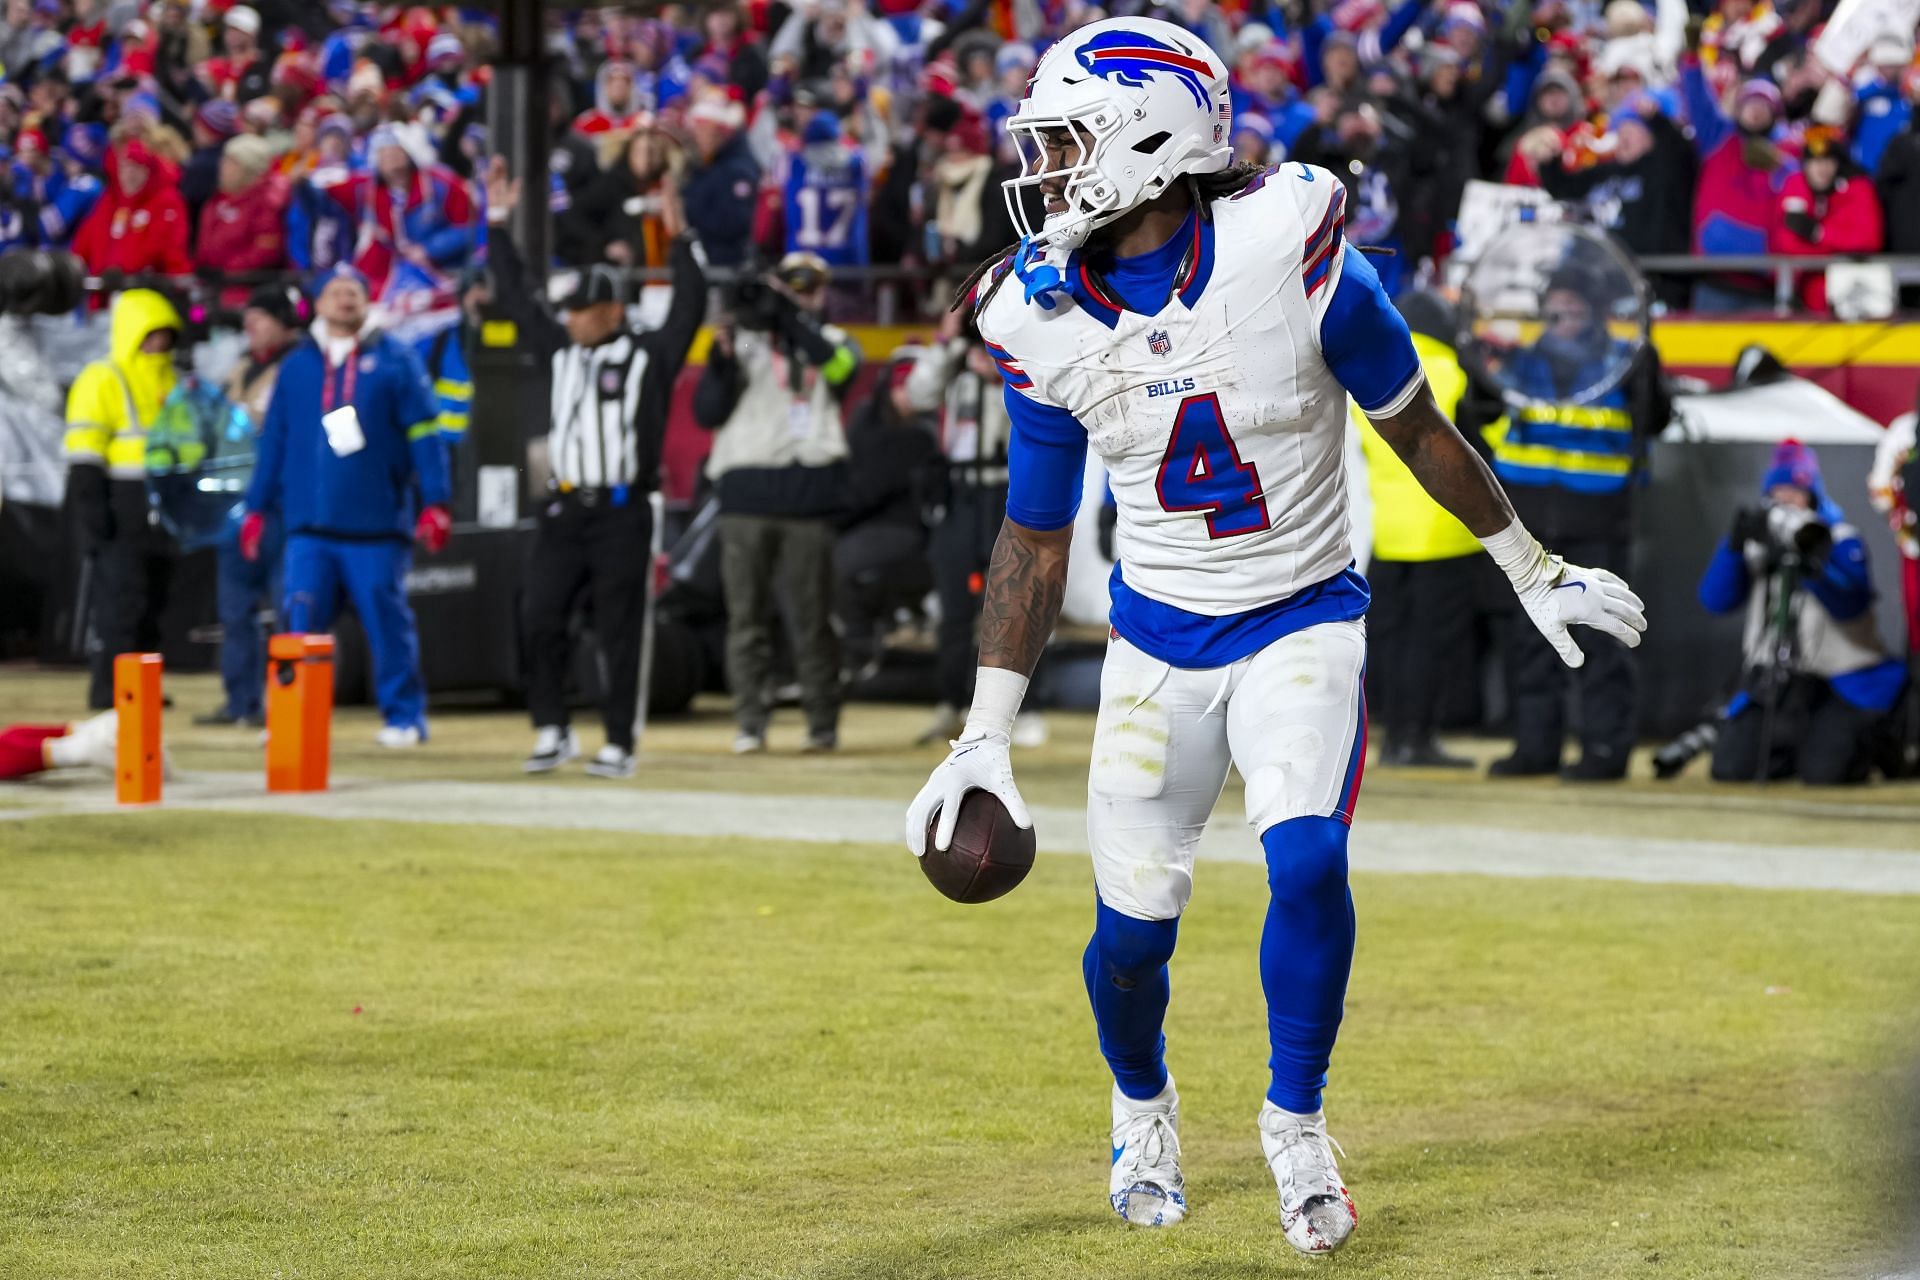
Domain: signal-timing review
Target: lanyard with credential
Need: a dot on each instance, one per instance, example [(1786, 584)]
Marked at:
[(348, 379)]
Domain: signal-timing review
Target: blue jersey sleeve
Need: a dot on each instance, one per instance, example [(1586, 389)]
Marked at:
[(1046, 463), (1366, 342)]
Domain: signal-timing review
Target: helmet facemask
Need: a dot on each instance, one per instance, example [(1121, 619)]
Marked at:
[(1093, 199)]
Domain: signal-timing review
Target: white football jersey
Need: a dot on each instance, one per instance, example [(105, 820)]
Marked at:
[(1220, 420)]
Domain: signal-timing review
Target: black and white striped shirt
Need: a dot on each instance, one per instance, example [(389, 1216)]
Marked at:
[(593, 440), (608, 403)]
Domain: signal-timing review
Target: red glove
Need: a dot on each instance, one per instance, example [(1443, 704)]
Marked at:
[(253, 529), (433, 530)]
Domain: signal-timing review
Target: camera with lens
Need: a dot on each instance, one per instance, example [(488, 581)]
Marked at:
[(37, 282), (755, 304), (1788, 533)]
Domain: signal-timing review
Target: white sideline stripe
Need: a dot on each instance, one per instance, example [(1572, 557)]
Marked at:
[(1378, 845)]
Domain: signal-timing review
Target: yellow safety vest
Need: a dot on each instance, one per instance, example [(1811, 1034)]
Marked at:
[(112, 402), (1407, 523)]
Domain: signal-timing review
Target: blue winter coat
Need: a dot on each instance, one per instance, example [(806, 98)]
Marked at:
[(367, 494)]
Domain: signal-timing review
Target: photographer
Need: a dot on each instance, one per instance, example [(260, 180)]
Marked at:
[(1818, 682), (612, 386), (772, 392)]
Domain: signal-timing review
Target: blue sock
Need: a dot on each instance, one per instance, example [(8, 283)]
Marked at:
[(1306, 953), (1126, 971)]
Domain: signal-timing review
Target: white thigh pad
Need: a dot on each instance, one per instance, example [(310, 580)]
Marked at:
[(1159, 760), (1296, 722)]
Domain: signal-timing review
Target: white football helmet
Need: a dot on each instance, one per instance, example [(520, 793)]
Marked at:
[(1148, 104)]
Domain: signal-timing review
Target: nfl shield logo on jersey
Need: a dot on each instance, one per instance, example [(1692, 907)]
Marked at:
[(1159, 343)]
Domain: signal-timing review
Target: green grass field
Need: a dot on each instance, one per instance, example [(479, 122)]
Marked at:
[(237, 1046)]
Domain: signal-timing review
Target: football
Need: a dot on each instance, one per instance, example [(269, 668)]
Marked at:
[(989, 854)]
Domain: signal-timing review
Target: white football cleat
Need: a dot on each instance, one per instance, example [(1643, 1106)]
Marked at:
[(1316, 1210), (1146, 1187), (398, 737)]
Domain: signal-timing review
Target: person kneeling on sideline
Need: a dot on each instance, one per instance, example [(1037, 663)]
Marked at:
[(1798, 559)]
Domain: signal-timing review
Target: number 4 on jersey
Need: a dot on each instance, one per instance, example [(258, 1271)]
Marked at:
[(1202, 471)]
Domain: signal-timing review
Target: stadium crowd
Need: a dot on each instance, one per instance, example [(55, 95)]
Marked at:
[(198, 135), (345, 142)]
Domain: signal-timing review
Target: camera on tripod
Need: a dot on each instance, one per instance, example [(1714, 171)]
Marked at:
[(1791, 535)]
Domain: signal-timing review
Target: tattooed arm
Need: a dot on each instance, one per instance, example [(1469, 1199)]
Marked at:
[(1026, 583), (1446, 465)]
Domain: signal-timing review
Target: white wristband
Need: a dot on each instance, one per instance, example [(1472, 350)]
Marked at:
[(1517, 552), (997, 694)]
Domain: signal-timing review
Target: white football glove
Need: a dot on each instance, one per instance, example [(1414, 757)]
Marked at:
[(979, 762), (1557, 595)]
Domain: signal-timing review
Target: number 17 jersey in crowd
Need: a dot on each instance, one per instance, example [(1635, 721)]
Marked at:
[(1211, 376)]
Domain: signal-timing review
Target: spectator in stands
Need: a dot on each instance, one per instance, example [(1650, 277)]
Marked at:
[(817, 38), (214, 123), (28, 35), (615, 219), (241, 74), (350, 445), (1641, 192), (140, 225), (109, 409), (771, 393), (1899, 176), (1376, 166), (720, 185), (1557, 105), (1881, 108), (618, 105), (78, 187), (244, 227), (1830, 707), (271, 322), (824, 209), (1827, 207), (418, 221), (744, 64), (1263, 89), (1743, 172)]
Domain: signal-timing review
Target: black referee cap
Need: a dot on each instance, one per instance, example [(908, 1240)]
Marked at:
[(597, 284)]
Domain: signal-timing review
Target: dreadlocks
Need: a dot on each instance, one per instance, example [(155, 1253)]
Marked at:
[(1205, 188)]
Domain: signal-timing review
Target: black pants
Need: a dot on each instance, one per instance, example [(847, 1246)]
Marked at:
[(1420, 641), (961, 548), (793, 557), (604, 549), (132, 573), (1607, 686), (877, 568), (1816, 734)]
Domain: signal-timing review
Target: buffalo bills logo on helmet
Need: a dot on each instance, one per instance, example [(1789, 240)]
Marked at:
[(1128, 58)]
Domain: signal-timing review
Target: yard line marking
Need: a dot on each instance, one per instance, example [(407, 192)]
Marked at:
[(1378, 845)]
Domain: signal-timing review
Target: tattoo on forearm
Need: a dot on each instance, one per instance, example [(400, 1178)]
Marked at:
[(1447, 467), (1026, 583)]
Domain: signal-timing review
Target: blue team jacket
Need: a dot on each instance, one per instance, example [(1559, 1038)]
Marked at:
[(367, 494)]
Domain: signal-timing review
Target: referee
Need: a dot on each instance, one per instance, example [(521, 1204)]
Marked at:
[(612, 386)]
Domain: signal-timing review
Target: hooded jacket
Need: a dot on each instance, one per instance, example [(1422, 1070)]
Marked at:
[(245, 231), (145, 231), (109, 408), (1736, 205), (113, 401), (1846, 219)]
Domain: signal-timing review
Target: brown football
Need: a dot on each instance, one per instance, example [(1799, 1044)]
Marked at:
[(989, 854)]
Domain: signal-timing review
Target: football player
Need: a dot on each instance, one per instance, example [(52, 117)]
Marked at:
[(1201, 326)]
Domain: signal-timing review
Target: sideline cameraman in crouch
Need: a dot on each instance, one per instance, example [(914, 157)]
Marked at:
[(772, 392), (1810, 643)]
